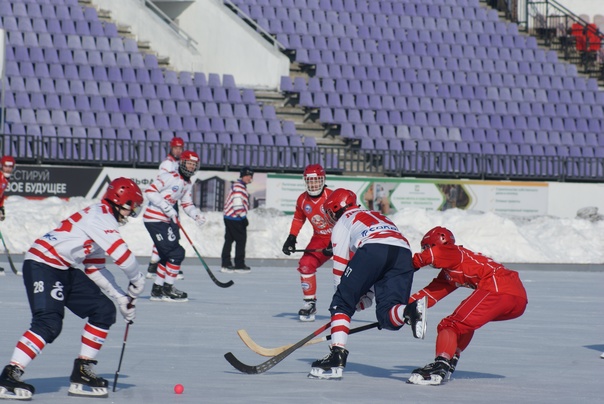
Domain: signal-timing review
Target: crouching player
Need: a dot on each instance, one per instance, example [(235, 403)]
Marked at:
[(53, 283), (498, 295)]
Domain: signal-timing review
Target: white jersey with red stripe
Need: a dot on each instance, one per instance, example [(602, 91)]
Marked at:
[(84, 238), (167, 189), (169, 164), (358, 227)]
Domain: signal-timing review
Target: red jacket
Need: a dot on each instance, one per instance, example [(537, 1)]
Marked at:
[(461, 267)]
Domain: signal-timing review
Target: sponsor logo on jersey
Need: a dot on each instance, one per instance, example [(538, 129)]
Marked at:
[(307, 208), (175, 188)]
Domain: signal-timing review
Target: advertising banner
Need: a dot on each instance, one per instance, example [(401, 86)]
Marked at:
[(389, 195)]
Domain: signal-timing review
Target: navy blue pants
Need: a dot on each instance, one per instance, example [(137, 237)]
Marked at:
[(387, 267), (166, 237), (50, 291)]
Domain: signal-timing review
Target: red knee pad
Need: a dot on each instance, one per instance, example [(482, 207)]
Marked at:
[(306, 270), (309, 285)]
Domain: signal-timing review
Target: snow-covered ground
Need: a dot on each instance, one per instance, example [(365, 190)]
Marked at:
[(509, 240)]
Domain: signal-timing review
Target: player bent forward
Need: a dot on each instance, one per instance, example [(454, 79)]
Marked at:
[(53, 283), (381, 266), (499, 295)]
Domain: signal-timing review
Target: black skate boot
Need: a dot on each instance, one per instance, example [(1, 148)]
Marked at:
[(152, 270), (331, 366), (171, 294), (157, 294), (1, 271), (415, 316), (432, 374), (11, 386), (307, 312), (84, 382), (453, 365)]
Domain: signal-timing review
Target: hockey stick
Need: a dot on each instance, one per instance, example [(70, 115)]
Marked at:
[(119, 366), (10, 260), (309, 251), (264, 366), (209, 271), (247, 340)]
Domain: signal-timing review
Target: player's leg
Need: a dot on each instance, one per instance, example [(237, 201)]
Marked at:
[(227, 265), (46, 288), (86, 301)]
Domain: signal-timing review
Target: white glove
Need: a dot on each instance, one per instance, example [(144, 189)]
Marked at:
[(136, 285), (200, 220), (366, 301), (169, 211), (127, 307)]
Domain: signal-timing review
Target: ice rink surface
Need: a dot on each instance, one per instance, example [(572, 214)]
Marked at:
[(549, 355)]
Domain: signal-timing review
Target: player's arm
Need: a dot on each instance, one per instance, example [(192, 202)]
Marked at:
[(297, 222), (190, 209), (340, 240), (435, 290)]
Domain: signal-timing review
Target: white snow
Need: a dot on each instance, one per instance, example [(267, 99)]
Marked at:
[(505, 239)]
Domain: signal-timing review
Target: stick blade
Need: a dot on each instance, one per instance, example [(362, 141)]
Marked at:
[(240, 366)]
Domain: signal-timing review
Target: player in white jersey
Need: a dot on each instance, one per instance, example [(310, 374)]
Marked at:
[(53, 283), (161, 221), (170, 164), (381, 266)]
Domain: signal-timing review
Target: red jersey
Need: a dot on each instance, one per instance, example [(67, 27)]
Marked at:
[(461, 267), (3, 186), (311, 208)]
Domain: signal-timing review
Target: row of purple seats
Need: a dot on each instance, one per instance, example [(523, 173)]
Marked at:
[(84, 103), (35, 8), (146, 121), (31, 40), (492, 105), (54, 26)]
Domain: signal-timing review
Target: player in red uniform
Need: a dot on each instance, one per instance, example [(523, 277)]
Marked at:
[(310, 206), (8, 165), (498, 295)]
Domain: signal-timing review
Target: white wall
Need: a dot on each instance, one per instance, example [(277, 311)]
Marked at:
[(225, 44), (588, 7), (230, 46), (147, 26)]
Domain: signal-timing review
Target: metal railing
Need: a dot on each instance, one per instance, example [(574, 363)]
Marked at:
[(551, 22), (248, 20), (182, 33), (284, 159)]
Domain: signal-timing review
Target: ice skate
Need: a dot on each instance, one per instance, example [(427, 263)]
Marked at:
[(227, 269), (415, 316), (152, 270), (453, 365), (156, 293), (432, 374), (331, 366), (84, 382), (2, 271), (11, 386), (242, 269), (307, 312), (171, 294)]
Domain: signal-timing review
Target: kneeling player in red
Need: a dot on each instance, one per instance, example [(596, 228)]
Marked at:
[(499, 295)]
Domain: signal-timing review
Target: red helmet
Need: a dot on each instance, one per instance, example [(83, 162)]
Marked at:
[(338, 202), (314, 178), (437, 236), (185, 157), (124, 193), (177, 142), (7, 162)]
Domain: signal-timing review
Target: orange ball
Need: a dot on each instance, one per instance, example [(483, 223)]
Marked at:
[(179, 388)]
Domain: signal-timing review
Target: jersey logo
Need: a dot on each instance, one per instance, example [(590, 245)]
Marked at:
[(175, 188), (307, 208), (57, 291), (319, 222)]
